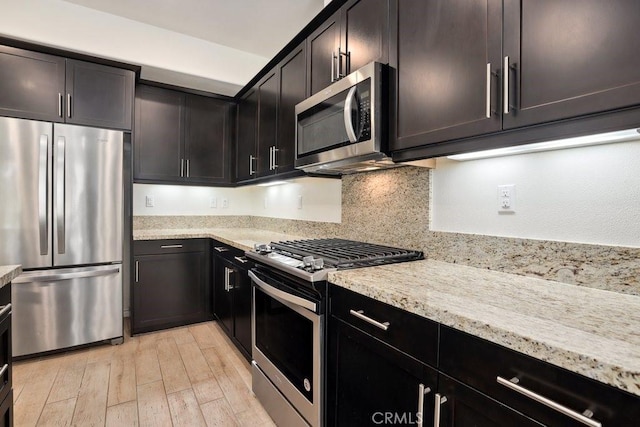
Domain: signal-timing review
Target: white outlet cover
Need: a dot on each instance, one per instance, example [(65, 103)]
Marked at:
[(213, 202), (225, 203), (149, 201), (299, 202), (507, 198)]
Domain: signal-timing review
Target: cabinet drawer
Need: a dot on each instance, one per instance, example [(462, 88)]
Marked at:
[(154, 247), (407, 332), (228, 252), (479, 363)]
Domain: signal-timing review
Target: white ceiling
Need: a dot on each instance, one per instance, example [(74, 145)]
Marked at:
[(211, 45), (259, 27)]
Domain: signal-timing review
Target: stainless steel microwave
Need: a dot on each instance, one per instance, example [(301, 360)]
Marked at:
[(340, 129)]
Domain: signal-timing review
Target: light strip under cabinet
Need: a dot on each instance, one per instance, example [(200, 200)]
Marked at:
[(559, 144)]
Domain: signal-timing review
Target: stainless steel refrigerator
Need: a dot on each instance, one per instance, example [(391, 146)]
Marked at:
[(61, 217)]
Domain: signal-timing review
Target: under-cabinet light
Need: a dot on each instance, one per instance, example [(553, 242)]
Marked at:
[(269, 184), (580, 141)]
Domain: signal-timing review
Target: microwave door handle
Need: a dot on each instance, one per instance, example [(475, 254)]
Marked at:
[(348, 123)]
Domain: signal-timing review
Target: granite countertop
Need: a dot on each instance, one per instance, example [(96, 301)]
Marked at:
[(589, 331), (241, 238), (8, 273)]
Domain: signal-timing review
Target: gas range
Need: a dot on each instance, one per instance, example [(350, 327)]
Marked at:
[(313, 259)]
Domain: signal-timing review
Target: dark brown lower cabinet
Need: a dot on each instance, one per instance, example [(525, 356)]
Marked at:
[(171, 285), (6, 393), (461, 406), (372, 383), (232, 295)]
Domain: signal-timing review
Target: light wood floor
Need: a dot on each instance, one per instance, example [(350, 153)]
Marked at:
[(189, 376)]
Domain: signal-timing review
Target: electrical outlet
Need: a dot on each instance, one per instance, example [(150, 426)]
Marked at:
[(149, 202), (213, 202), (299, 202), (507, 198), (225, 203)]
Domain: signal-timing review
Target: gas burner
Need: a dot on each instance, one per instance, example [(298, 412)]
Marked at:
[(313, 259)]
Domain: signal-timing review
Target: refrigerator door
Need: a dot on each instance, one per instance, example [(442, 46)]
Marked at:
[(87, 195), (25, 192), (54, 309)]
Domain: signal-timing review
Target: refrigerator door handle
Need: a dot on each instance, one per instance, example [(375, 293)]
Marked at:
[(43, 174), (60, 189), (65, 276)]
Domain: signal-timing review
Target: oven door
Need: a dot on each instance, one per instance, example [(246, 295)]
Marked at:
[(287, 342)]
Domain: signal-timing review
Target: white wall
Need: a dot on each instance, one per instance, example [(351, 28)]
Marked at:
[(581, 195), (321, 200), (191, 62)]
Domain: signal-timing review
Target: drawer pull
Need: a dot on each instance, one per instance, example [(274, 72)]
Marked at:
[(4, 369), (584, 418), (440, 400), (422, 390), (360, 315), (170, 246), (240, 259), (220, 249), (5, 309)]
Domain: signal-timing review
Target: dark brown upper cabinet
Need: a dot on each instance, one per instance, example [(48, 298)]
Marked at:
[(470, 69), (246, 136), (355, 35), (266, 120), (566, 61), (181, 138), (449, 56), (47, 87), (293, 90)]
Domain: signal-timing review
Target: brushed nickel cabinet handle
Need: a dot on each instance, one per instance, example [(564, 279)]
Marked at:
[(69, 105), (584, 418), (505, 81), (488, 103), (440, 400), (360, 315), (422, 390), (137, 271), (4, 311), (170, 246), (60, 100), (220, 249)]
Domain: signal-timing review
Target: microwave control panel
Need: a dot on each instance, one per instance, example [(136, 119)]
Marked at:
[(364, 109)]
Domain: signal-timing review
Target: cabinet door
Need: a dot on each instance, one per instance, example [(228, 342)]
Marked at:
[(223, 298), (267, 119), (568, 59), (246, 136), (369, 381), (32, 85), (158, 141), (242, 308), (322, 48), (98, 95), (449, 52), (465, 407), (207, 142), (170, 290), (365, 33), (293, 89)]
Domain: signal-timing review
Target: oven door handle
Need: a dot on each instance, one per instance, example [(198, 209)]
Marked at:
[(282, 295)]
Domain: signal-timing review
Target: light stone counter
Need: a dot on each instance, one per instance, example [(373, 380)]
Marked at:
[(8, 273), (589, 331), (241, 238)]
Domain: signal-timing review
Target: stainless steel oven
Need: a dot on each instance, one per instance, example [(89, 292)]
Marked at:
[(288, 344)]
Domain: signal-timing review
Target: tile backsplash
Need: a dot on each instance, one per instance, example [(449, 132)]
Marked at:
[(392, 207)]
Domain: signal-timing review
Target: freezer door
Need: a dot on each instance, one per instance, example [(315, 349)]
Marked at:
[(87, 195), (55, 309), (25, 192)]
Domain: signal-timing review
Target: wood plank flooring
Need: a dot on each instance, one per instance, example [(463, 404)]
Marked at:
[(188, 376)]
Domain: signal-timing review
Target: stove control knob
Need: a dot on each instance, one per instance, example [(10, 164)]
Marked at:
[(308, 261), (262, 248), (318, 264)]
